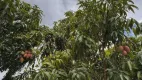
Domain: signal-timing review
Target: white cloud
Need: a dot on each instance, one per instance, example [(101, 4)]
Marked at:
[(54, 10), (140, 21), (138, 13)]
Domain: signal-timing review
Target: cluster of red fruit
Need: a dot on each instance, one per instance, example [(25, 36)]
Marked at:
[(124, 49), (26, 55)]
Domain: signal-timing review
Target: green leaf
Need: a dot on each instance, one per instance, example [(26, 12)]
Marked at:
[(129, 65), (139, 75), (126, 77), (121, 77)]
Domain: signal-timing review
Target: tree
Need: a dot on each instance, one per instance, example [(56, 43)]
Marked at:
[(83, 46), (103, 22), (20, 30)]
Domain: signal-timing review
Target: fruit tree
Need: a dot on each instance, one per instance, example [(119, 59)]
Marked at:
[(91, 43)]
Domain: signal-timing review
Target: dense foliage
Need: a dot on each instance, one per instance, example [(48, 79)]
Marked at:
[(19, 31), (82, 46)]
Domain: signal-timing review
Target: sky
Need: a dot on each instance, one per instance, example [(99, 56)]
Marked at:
[(54, 10), (138, 13)]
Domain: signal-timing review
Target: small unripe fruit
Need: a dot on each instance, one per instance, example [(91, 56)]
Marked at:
[(22, 52), (21, 59), (120, 48), (126, 48), (124, 52)]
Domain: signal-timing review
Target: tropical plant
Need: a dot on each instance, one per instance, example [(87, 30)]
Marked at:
[(20, 30), (82, 46)]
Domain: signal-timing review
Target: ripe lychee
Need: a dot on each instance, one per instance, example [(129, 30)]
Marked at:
[(124, 52), (25, 55), (28, 51), (120, 48), (127, 49), (28, 55)]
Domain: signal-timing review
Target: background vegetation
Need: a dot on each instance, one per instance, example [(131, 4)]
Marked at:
[(89, 44)]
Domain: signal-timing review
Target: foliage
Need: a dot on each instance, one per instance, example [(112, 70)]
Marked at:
[(82, 46), (20, 30)]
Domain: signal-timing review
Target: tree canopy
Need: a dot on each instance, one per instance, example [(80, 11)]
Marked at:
[(19, 30), (88, 44)]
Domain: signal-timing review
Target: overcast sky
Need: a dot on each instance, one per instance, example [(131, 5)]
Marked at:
[(54, 10), (138, 13)]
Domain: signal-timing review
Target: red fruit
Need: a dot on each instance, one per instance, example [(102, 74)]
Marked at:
[(25, 55), (30, 56), (121, 48), (124, 52), (126, 48), (21, 59)]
